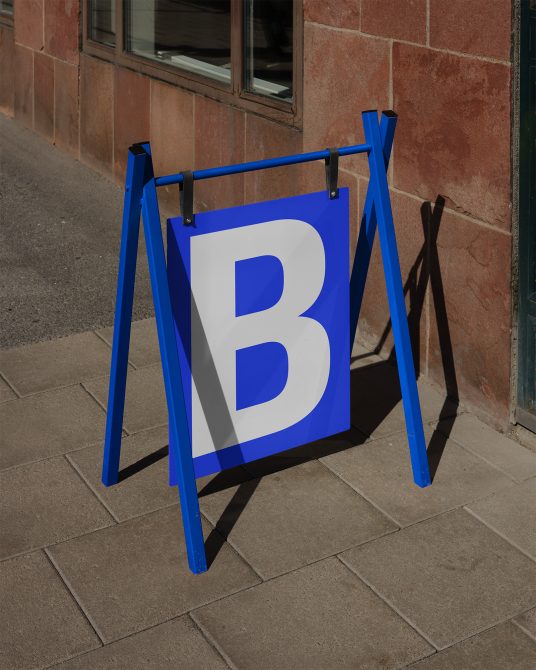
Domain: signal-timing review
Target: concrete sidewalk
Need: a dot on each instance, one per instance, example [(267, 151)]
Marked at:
[(323, 557), (60, 225)]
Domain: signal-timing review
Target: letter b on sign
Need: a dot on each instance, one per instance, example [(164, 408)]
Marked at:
[(260, 300)]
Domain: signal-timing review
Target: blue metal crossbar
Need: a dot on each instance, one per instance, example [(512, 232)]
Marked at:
[(141, 199), (263, 165)]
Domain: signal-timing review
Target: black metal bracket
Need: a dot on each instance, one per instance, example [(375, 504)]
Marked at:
[(332, 173), (186, 188)]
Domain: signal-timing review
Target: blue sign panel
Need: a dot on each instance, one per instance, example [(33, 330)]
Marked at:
[(260, 300)]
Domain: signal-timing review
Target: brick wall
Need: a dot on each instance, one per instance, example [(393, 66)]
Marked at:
[(443, 66)]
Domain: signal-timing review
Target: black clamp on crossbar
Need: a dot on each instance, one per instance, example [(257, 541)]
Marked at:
[(332, 173), (186, 188)]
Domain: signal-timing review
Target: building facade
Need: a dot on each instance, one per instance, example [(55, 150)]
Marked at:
[(219, 82)]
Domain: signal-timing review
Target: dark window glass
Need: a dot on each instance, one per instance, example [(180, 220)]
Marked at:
[(101, 19), (6, 7), (268, 47), (192, 35)]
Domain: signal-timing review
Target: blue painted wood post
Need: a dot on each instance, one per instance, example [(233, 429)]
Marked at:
[(367, 230), (136, 166), (395, 295), (178, 421)]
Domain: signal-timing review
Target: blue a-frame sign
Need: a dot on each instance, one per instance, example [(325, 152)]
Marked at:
[(274, 307), (260, 300)]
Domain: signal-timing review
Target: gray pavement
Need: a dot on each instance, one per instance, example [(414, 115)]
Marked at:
[(59, 242), (326, 556)]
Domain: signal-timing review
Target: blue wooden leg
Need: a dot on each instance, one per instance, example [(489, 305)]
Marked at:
[(123, 313), (397, 307), (367, 230), (178, 422)]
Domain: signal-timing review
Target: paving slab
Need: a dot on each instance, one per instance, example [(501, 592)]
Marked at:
[(41, 623), (294, 517), (318, 617), (143, 349), (48, 365), (43, 503), (502, 648), (381, 471), (527, 622), (143, 485), (135, 574), (376, 403), (6, 392), (450, 576), (48, 424), (174, 645), (496, 448), (145, 404), (512, 514)]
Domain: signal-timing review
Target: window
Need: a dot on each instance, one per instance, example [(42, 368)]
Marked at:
[(101, 22), (6, 9), (247, 52)]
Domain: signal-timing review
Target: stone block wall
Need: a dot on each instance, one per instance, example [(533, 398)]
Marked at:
[(445, 67)]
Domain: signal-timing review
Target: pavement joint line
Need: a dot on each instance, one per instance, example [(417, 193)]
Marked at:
[(458, 640), (212, 641), (91, 489), (360, 493), (316, 560), (389, 604), (493, 465), (32, 394), (48, 458), (91, 395), (497, 532), (105, 504), (71, 591), (521, 627), (231, 544), (6, 380), (44, 547), (109, 345), (432, 516)]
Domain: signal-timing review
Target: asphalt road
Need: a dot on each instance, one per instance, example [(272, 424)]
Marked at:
[(59, 243)]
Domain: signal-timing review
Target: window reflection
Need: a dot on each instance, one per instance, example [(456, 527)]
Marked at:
[(189, 34), (268, 47)]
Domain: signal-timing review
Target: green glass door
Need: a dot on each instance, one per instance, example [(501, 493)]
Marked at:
[(526, 397)]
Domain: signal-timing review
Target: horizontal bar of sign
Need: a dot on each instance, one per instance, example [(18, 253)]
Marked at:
[(263, 164)]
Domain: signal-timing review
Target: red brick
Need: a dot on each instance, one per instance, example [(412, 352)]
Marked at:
[(481, 27), (344, 73), (96, 113), (131, 116), (399, 19), (29, 24), (471, 302), (267, 139), (24, 85), (332, 13), (219, 140), (172, 136), (66, 117), (453, 134), (62, 20), (7, 80), (44, 95), (374, 328)]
